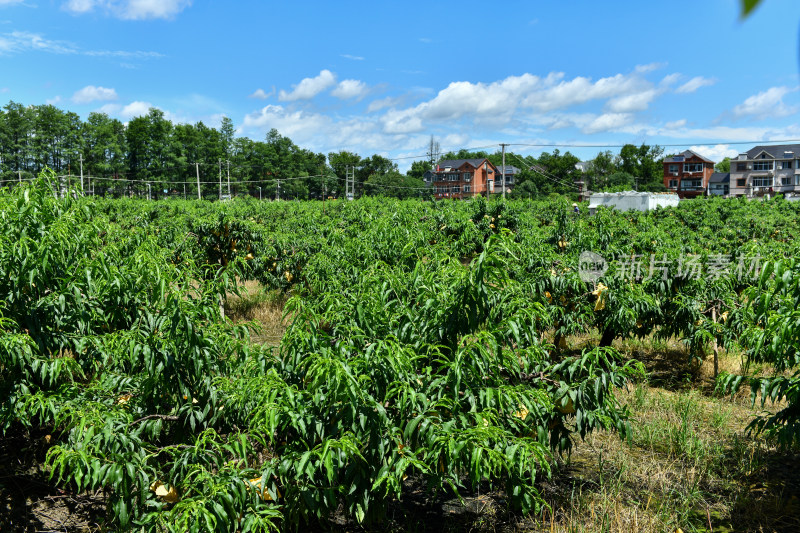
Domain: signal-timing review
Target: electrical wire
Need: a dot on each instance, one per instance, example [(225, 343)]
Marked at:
[(546, 175)]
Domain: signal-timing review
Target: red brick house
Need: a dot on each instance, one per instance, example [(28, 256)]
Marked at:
[(687, 174), (462, 178)]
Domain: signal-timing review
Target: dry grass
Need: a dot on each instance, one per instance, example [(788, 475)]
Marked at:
[(687, 465), (262, 308)]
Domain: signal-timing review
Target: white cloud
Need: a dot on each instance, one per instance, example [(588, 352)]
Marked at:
[(674, 125), (53, 101), (309, 87), (90, 93), (299, 124), (20, 41), (354, 58), (377, 105), (670, 79), (135, 54), (650, 67), (695, 83), (462, 98), (261, 94), (632, 102), (504, 110), (766, 104), (135, 109), (79, 6), (526, 97), (580, 90), (5, 3), (608, 122), (110, 109), (733, 134), (130, 9), (347, 89), (715, 153), (405, 121)]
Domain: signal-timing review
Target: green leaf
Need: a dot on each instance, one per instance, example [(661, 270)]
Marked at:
[(748, 6)]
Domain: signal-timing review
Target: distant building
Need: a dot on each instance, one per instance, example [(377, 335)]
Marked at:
[(719, 184), (687, 174), (464, 178), (511, 174), (766, 169)]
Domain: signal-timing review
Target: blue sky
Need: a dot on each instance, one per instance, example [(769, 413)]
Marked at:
[(382, 77)]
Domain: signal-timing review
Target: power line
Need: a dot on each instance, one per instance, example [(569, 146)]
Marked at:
[(544, 173), (575, 145), (449, 151)]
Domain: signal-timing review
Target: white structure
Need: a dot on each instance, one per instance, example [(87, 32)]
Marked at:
[(632, 200)]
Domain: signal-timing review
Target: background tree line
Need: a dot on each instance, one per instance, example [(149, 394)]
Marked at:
[(120, 159), (123, 158)]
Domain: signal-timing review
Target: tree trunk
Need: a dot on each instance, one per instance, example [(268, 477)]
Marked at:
[(607, 338), (714, 345)]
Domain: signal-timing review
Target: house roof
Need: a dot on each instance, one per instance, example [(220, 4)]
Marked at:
[(510, 170), (458, 163), (720, 177), (686, 154), (776, 151)]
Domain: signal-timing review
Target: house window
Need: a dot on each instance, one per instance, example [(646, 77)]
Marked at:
[(692, 184), (762, 165), (786, 164), (693, 167), (453, 177), (740, 182), (796, 180), (673, 184), (466, 176), (741, 167), (467, 188), (673, 168), (762, 181), (455, 188), (786, 180)]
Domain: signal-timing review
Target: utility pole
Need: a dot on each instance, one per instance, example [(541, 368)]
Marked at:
[(184, 191), (219, 163), (149, 195), (197, 168), (350, 183), (278, 191), (81, 160), (503, 145), (229, 179), (19, 173)]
